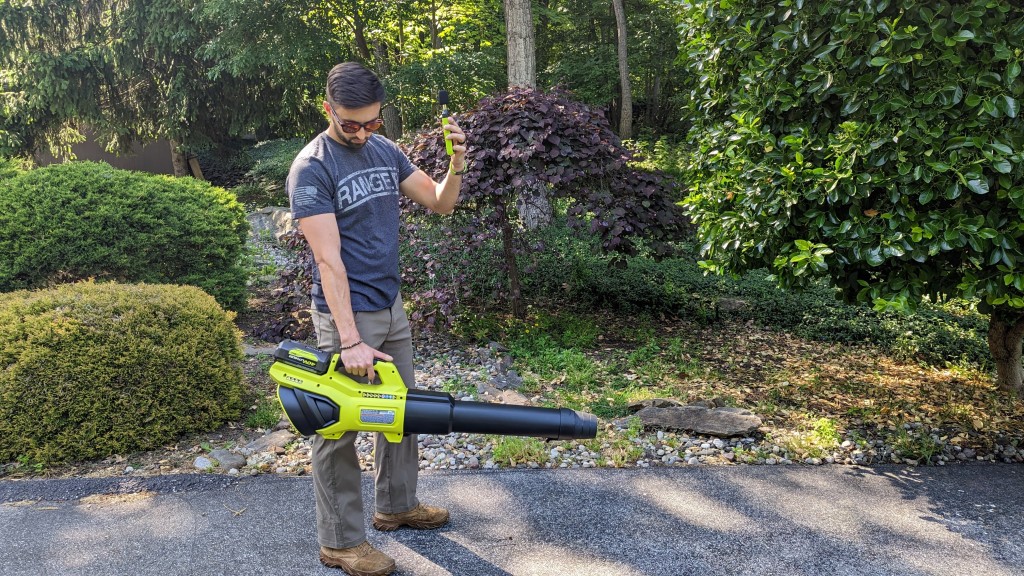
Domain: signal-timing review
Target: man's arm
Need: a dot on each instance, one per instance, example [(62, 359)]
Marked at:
[(440, 198), (321, 232)]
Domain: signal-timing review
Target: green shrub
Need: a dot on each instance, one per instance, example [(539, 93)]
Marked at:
[(88, 220), (89, 370)]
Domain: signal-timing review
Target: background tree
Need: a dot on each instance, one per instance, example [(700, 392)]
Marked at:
[(878, 145), (522, 47), (130, 71), (626, 114)]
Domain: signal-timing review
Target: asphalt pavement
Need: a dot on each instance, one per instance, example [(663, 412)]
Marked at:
[(707, 520)]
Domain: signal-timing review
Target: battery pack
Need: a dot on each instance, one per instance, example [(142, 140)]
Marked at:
[(302, 356)]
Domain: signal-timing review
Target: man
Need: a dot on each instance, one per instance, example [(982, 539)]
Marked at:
[(344, 188)]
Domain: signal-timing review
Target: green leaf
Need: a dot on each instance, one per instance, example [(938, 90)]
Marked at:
[(1007, 105), (979, 186), (880, 61), (1012, 71), (963, 36), (1003, 166)]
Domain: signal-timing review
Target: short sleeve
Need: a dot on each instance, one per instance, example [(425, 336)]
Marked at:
[(309, 189), (405, 166)]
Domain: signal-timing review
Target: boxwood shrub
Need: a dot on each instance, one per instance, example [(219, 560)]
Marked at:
[(89, 369), (84, 220)]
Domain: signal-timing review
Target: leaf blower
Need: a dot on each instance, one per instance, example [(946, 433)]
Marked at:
[(318, 399)]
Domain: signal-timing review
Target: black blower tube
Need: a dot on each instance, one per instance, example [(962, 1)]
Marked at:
[(428, 412)]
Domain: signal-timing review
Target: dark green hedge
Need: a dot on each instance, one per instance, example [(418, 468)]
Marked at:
[(83, 220), (88, 370)]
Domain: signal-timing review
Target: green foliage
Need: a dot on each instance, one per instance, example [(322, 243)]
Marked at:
[(570, 270), (266, 415), (88, 220), (513, 450), (263, 183), (11, 167), (130, 71), (89, 370), (878, 145)]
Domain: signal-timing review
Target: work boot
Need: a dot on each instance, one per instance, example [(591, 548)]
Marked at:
[(422, 517), (361, 560)]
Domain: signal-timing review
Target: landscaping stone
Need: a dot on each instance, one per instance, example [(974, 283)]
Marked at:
[(635, 407), (278, 439), (227, 459), (723, 422)]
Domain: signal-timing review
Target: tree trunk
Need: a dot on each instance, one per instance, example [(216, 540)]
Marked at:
[(178, 159), (392, 119), (508, 249), (533, 204), (1005, 333), (626, 102), (522, 48)]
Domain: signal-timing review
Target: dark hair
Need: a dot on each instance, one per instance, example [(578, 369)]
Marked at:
[(353, 86)]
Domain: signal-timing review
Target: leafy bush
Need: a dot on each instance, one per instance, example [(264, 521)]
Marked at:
[(88, 220), (88, 370)]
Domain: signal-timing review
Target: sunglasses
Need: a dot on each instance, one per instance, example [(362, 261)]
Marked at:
[(351, 127)]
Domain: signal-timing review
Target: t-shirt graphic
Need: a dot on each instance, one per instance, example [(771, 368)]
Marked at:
[(365, 185)]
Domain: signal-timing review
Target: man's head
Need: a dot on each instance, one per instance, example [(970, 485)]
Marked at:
[(354, 98)]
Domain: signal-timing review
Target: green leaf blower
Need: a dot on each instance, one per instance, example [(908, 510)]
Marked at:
[(318, 399)]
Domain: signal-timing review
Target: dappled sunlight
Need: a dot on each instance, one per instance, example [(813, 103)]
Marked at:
[(677, 500), (539, 559), (114, 520), (855, 519), (406, 556), (499, 503)]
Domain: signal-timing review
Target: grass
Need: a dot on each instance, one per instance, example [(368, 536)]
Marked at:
[(266, 413), (515, 450)]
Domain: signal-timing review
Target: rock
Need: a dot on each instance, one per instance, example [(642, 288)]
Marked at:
[(202, 463), (513, 397), (652, 403), (508, 381), (228, 460), (276, 220), (278, 439), (730, 305), (723, 422)]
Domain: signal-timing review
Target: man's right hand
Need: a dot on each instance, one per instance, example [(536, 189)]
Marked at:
[(358, 360)]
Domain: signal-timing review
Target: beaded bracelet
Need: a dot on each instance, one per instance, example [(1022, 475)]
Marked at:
[(353, 345)]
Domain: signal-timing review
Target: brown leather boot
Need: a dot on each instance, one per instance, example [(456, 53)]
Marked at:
[(361, 560), (422, 517)]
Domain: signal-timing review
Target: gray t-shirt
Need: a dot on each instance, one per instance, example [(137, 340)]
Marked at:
[(360, 187)]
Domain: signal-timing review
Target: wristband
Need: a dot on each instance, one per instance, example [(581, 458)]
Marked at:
[(351, 346), (465, 168)]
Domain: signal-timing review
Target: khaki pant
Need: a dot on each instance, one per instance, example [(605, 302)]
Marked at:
[(336, 473)]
